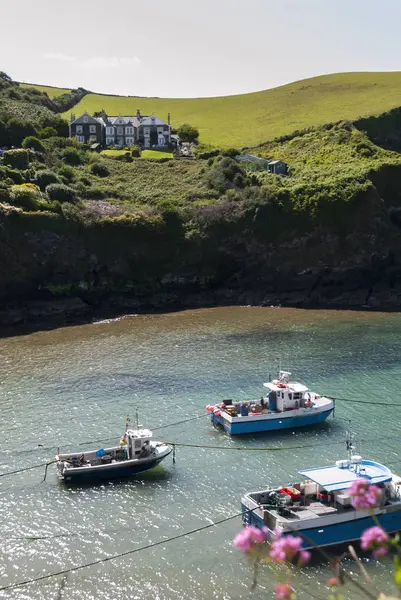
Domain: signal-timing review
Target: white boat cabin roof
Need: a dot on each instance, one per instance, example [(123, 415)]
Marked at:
[(291, 386), (139, 433), (337, 478)]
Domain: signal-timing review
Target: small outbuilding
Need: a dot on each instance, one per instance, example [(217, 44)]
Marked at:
[(278, 167)]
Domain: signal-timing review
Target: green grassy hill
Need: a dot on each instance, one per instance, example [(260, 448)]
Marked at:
[(52, 92), (250, 119)]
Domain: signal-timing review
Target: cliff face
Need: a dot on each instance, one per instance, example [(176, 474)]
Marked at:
[(54, 268)]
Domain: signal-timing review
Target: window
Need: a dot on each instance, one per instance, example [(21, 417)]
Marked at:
[(129, 130), (146, 131), (92, 128), (121, 121), (85, 119), (79, 129), (110, 130), (109, 141), (160, 130), (92, 138), (81, 139), (120, 130), (129, 140)]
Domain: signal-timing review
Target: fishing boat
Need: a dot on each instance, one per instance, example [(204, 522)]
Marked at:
[(287, 404), (319, 509), (135, 454)]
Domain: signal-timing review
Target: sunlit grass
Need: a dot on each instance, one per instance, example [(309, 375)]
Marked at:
[(250, 119)]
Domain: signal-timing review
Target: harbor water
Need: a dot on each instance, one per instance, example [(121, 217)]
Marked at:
[(73, 387)]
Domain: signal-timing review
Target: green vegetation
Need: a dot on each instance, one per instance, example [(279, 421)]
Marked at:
[(74, 219), (251, 119), (52, 92), (156, 154)]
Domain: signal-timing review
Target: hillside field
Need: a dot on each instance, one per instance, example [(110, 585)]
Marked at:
[(52, 92), (251, 119)]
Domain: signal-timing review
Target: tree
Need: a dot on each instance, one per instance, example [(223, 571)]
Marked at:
[(188, 133), (18, 130), (33, 143), (47, 132), (5, 77)]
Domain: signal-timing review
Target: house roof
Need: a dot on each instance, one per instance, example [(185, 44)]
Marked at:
[(152, 120), (81, 119), (127, 120), (276, 162)]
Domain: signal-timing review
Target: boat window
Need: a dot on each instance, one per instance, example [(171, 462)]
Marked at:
[(137, 443), (290, 396)]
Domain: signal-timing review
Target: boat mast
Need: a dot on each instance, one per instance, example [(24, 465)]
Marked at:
[(350, 441), (136, 418)]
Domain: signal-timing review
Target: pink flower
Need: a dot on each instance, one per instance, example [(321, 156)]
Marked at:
[(286, 548), (364, 495), (376, 540), (283, 591), (332, 582), (303, 558), (250, 536)]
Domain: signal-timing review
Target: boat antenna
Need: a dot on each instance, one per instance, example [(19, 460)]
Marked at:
[(127, 419), (350, 441), (136, 418)]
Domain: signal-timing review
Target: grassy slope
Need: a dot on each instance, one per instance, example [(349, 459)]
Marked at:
[(156, 154), (52, 92), (250, 119)]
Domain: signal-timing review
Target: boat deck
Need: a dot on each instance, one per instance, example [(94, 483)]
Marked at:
[(311, 511)]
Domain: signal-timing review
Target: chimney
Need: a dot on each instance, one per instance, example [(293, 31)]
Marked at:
[(168, 119), (72, 118), (138, 114)]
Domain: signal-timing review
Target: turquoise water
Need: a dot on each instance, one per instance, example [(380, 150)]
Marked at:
[(72, 385)]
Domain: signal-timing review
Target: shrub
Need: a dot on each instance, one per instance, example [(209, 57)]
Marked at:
[(72, 156), (26, 195), (33, 143), (123, 157), (67, 173), (45, 178), (136, 152), (15, 176), (71, 212), (99, 169), (47, 132), (4, 192), (188, 133), (18, 130), (16, 158), (231, 152), (61, 192)]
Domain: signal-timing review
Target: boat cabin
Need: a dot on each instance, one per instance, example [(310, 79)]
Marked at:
[(136, 442), (285, 394)]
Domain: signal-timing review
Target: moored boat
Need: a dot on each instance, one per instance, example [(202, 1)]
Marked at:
[(320, 508), (135, 454), (288, 404)]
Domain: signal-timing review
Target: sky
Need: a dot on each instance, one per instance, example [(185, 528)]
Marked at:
[(185, 48)]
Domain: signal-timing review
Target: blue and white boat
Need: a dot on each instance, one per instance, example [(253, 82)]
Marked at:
[(135, 454), (319, 509), (287, 405)]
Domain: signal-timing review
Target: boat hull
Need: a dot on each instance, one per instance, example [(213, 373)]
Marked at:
[(336, 533), (108, 472), (260, 425)]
